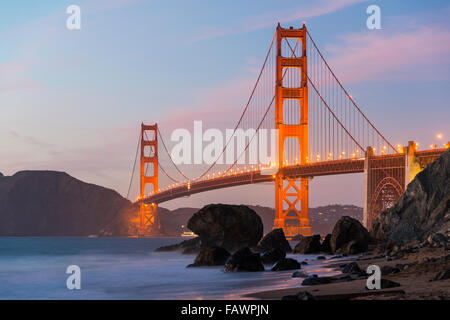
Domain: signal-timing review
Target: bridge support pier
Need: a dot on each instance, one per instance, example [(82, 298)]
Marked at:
[(148, 214), (366, 196), (291, 191), (387, 176)]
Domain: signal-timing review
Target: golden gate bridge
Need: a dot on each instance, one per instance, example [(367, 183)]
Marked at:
[(321, 131)]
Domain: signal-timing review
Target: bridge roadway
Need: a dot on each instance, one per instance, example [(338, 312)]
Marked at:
[(257, 176), (315, 169)]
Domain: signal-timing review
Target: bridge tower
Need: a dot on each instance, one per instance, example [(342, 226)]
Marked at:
[(148, 213), (291, 191)]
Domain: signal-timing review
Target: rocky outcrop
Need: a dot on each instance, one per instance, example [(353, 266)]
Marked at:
[(326, 246), (186, 247), (314, 280), (214, 256), (244, 260), (423, 209), (286, 264), (272, 256), (51, 203), (275, 239), (308, 245), (227, 226), (349, 236)]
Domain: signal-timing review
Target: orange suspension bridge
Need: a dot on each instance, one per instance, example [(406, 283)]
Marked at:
[(321, 131)]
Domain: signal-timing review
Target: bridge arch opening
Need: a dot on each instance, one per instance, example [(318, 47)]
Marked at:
[(292, 77), (291, 112), (291, 44)]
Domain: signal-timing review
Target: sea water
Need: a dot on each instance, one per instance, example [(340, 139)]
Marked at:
[(127, 268)]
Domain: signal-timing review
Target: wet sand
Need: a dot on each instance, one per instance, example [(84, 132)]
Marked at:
[(414, 280)]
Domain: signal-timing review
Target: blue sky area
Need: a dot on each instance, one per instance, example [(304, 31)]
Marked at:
[(73, 100)]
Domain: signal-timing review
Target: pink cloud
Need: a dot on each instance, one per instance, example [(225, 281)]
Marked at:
[(270, 19), (379, 56)]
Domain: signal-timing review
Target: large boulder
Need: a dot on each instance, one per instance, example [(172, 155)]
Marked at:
[(244, 260), (308, 245), (214, 256), (326, 246), (423, 209), (227, 226), (286, 264), (349, 236), (272, 256), (275, 239)]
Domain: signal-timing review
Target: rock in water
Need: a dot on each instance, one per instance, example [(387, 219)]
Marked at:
[(214, 256), (308, 245), (187, 246), (325, 246), (286, 264), (51, 203), (272, 256), (244, 260), (423, 209), (275, 239), (227, 226), (349, 236)]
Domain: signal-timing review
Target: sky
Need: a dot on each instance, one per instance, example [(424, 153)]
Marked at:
[(73, 100)]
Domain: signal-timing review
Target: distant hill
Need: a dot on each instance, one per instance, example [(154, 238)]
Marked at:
[(322, 219), (51, 203)]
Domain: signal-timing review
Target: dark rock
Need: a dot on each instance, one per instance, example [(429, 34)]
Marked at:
[(321, 258), (423, 209), (286, 264), (326, 246), (227, 226), (299, 274), (275, 239), (386, 284), (272, 256), (315, 280), (214, 256), (437, 240), (304, 262), (191, 245), (349, 236), (308, 245), (244, 260), (386, 270), (52, 203), (304, 296), (443, 275), (352, 267)]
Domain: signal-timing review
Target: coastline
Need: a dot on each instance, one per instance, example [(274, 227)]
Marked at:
[(415, 281)]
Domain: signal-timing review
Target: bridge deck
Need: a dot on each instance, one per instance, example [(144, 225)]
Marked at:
[(258, 176)]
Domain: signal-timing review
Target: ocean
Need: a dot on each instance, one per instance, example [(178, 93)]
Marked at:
[(127, 268)]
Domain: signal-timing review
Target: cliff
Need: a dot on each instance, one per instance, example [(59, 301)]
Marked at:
[(50, 203), (423, 209)]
